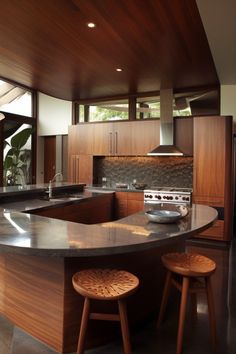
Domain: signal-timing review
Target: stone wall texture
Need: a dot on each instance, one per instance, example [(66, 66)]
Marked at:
[(154, 171)]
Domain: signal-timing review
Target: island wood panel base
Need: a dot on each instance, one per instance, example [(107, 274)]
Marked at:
[(32, 291), (88, 211), (37, 295)]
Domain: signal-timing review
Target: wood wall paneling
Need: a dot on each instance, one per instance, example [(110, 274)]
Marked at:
[(138, 46), (34, 297)]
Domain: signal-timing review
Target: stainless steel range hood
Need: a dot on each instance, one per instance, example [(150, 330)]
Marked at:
[(166, 147)]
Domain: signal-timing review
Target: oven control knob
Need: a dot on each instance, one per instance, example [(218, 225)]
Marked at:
[(171, 198), (176, 198), (150, 196), (159, 197)]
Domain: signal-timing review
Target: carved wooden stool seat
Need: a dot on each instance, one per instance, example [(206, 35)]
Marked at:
[(105, 284), (191, 267)]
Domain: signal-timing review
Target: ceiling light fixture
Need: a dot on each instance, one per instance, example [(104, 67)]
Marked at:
[(91, 25), (119, 69)]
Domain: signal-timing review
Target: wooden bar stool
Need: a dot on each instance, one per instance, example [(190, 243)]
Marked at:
[(191, 267), (105, 284)]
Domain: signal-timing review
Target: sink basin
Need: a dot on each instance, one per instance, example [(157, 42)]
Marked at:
[(64, 199)]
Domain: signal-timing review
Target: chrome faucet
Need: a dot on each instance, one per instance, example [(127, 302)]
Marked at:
[(50, 183)]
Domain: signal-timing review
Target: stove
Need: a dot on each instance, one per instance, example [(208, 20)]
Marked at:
[(168, 195)]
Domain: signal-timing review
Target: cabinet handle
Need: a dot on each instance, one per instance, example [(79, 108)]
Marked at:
[(77, 170), (116, 143), (74, 169), (110, 143)]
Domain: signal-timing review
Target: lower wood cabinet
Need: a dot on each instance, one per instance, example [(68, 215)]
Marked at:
[(127, 203), (216, 232), (91, 211), (80, 169)]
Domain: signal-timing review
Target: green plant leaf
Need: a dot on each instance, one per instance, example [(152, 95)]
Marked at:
[(20, 139), (7, 162)]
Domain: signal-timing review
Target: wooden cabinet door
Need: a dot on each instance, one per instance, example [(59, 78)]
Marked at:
[(122, 138), (209, 159), (86, 169), (135, 202), (80, 139), (103, 139), (212, 172), (73, 145), (184, 134), (73, 168), (80, 169), (145, 136), (128, 203)]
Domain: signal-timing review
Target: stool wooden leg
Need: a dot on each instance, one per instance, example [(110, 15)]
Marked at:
[(83, 326), (124, 326), (165, 295), (182, 313), (211, 311)]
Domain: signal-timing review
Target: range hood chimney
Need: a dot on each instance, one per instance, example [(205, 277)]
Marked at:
[(166, 147)]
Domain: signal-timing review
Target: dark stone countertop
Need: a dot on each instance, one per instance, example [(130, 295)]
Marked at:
[(17, 190), (42, 202), (26, 234)]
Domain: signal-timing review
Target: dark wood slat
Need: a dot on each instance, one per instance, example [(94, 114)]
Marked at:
[(46, 45)]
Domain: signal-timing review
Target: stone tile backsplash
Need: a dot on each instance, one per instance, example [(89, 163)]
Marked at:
[(154, 171)]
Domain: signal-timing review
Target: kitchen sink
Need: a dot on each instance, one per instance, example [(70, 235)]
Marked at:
[(63, 199)]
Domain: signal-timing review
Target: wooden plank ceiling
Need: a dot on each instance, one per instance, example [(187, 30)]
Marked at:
[(46, 45)]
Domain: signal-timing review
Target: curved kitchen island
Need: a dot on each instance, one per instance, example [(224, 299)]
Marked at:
[(39, 255)]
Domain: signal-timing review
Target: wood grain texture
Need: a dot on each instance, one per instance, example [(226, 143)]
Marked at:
[(104, 283), (213, 170), (183, 134), (50, 48), (127, 203), (33, 298), (215, 232), (91, 211), (209, 157), (145, 136)]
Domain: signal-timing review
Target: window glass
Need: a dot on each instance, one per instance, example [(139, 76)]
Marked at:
[(148, 107), (14, 99), (104, 111)]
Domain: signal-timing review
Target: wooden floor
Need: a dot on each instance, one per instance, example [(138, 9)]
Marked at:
[(146, 339)]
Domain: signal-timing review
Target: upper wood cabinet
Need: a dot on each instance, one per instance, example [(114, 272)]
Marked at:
[(111, 138), (81, 139), (145, 136), (184, 134), (126, 138)]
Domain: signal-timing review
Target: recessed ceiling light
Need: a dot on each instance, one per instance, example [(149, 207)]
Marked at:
[(91, 25), (118, 69)]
